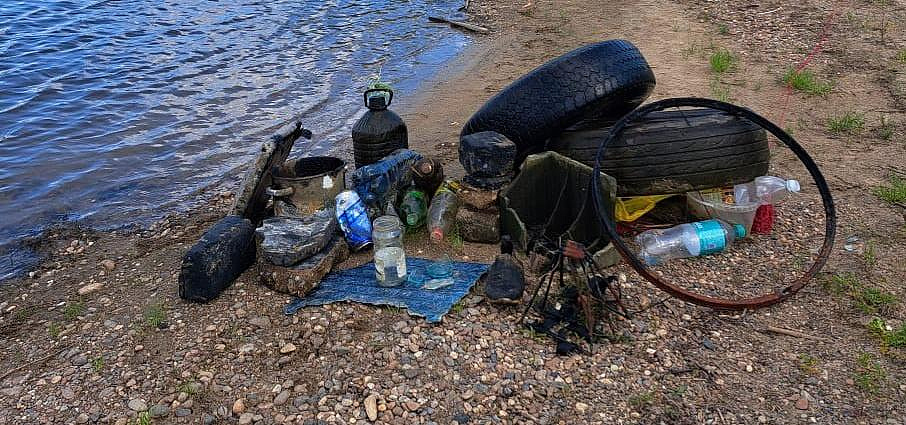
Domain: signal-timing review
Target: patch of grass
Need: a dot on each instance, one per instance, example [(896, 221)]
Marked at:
[(144, 418), (458, 307), (870, 256), (808, 364), (871, 374), (901, 56), (188, 387), (869, 300), (679, 391), (886, 129), (54, 329), (721, 61), (720, 91), (529, 332), (97, 363), (723, 29), (156, 314), (805, 81), (73, 310), (643, 399), (890, 338), (693, 50), (392, 309), (849, 123), (455, 239), (893, 193)]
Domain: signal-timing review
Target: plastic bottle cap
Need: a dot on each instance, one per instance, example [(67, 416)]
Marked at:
[(437, 235), (793, 186), (740, 231)]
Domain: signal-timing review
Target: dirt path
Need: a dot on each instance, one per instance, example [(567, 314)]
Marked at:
[(130, 351)]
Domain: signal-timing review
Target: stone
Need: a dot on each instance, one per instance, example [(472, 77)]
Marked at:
[(108, 265), (287, 348), (68, 393), (286, 241), (89, 288), (159, 411), (182, 412), (411, 406), (137, 405), (802, 403), (261, 322), (247, 348), (82, 418), (238, 407), (281, 398), (79, 360), (478, 226), (246, 418), (581, 407), (487, 154), (225, 251), (371, 408), (302, 278)]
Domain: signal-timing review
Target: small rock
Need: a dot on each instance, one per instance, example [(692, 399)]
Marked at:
[(288, 348), (181, 413), (89, 288), (708, 344), (247, 348), (68, 393), (412, 406), (281, 398), (138, 405), (581, 407), (802, 404), (371, 407), (238, 407), (82, 419), (159, 411), (246, 418), (261, 322), (108, 265), (79, 360)]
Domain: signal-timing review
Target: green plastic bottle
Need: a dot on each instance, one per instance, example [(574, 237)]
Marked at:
[(414, 208)]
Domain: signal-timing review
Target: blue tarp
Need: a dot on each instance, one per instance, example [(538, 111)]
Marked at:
[(359, 285)]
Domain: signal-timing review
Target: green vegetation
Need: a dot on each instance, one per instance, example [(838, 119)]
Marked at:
[(805, 81), (850, 123), (720, 91), (144, 418), (808, 364), (458, 307), (188, 387), (54, 329), (871, 374), (869, 300), (886, 129), (722, 60), (455, 239), (97, 363), (901, 56), (870, 256), (895, 192), (156, 314), (723, 29), (73, 310), (890, 338), (643, 399)]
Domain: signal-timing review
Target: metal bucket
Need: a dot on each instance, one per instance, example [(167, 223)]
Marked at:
[(302, 186)]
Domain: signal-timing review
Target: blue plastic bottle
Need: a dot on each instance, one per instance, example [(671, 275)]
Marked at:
[(353, 220)]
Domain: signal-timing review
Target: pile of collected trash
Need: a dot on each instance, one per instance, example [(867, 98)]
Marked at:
[(529, 155)]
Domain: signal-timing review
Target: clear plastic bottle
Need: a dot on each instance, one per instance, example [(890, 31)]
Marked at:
[(389, 256), (688, 240), (764, 190), (442, 211)]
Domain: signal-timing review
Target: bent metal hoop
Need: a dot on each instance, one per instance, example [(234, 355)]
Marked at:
[(780, 293)]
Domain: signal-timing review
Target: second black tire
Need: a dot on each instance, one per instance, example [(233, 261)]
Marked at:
[(673, 151), (601, 80)]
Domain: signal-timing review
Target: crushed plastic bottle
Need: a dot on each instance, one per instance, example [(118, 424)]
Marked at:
[(379, 184), (442, 211), (414, 208), (353, 220), (764, 190), (688, 240)]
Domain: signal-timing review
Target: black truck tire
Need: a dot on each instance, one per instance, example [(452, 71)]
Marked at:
[(673, 151), (601, 80)]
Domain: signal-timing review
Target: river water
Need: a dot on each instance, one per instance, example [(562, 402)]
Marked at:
[(115, 112)]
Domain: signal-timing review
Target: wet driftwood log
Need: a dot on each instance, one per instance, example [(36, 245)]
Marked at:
[(218, 258), (302, 278), (251, 201)]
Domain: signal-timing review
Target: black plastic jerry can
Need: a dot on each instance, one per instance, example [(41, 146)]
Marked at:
[(379, 131)]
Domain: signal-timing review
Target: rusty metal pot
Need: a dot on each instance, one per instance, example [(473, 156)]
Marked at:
[(302, 186)]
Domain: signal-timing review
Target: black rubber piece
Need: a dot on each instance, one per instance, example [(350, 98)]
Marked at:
[(505, 281), (487, 154), (225, 251), (773, 293), (602, 80), (673, 151)]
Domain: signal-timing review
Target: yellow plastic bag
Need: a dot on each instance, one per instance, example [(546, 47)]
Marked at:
[(631, 208)]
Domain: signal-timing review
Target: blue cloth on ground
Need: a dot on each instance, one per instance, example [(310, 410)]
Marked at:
[(359, 284)]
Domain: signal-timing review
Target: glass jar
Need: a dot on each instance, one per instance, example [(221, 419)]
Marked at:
[(389, 257)]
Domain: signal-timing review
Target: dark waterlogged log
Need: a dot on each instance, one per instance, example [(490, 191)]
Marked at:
[(225, 251)]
